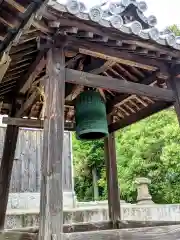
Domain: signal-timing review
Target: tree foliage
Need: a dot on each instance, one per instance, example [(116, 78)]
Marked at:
[(175, 29), (149, 148)]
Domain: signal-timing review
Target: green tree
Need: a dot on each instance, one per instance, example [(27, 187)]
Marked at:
[(149, 148), (175, 29), (87, 155)]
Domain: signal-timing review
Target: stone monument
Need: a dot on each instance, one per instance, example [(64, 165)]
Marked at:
[(143, 195)]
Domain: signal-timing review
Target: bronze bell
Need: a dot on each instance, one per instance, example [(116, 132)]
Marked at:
[(91, 121)]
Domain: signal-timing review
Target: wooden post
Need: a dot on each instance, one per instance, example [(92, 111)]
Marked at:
[(51, 206), (95, 185), (173, 83), (112, 180), (6, 169)]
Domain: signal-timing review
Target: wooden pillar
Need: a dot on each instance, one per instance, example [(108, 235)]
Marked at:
[(112, 180), (51, 206), (95, 184), (174, 83), (6, 169)]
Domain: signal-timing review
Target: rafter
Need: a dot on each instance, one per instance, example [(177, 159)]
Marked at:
[(103, 68), (139, 115), (16, 5), (33, 72), (119, 56), (16, 31), (123, 57), (116, 100)]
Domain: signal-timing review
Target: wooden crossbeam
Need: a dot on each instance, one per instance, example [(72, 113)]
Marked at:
[(119, 56), (141, 114), (122, 58), (32, 123), (117, 85)]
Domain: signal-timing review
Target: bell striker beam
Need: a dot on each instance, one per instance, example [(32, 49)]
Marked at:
[(51, 206), (112, 180)]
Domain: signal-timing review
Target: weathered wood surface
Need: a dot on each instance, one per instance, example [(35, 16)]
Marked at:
[(32, 123), (101, 225), (6, 169), (148, 233), (120, 56), (112, 179), (158, 233), (118, 85), (17, 236), (174, 84), (51, 204), (27, 160)]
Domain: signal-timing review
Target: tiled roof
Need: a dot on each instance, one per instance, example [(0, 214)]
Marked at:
[(126, 16)]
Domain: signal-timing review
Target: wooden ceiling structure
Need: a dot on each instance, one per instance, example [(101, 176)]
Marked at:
[(116, 41), (50, 52)]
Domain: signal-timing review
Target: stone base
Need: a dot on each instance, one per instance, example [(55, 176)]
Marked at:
[(91, 204), (147, 201), (152, 212), (28, 200)]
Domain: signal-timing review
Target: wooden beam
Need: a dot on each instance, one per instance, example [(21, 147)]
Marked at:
[(103, 68), (16, 5), (171, 232), (12, 34), (13, 235), (117, 85), (139, 115), (119, 56), (112, 180), (27, 104), (51, 204), (99, 226), (123, 57), (6, 169), (33, 123), (34, 70), (158, 233)]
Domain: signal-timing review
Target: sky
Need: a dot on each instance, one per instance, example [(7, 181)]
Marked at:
[(166, 11)]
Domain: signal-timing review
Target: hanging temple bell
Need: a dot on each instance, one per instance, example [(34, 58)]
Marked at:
[(91, 120)]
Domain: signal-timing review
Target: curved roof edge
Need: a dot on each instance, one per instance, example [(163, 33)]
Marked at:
[(126, 16)]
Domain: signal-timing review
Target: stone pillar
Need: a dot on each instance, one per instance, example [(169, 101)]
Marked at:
[(68, 185), (143, 195)]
